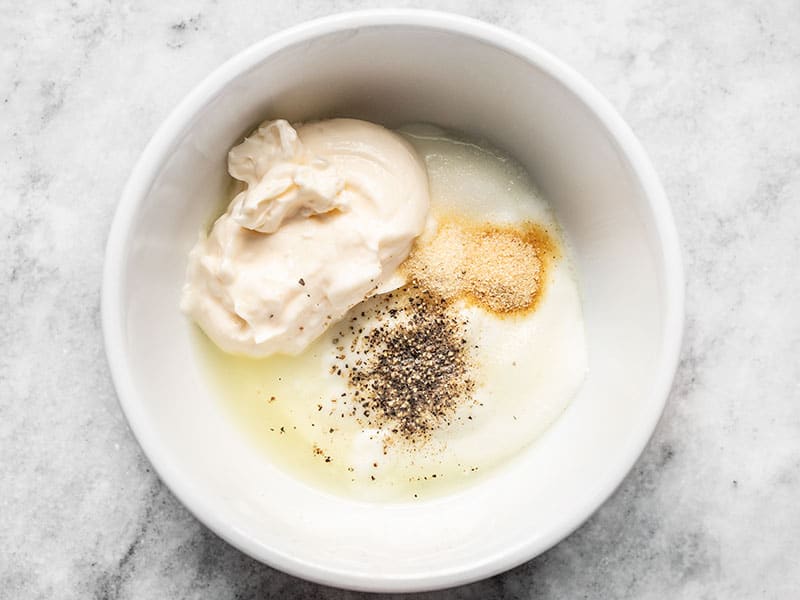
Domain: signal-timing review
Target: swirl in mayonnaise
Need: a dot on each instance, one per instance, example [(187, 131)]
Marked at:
[(329, 211)]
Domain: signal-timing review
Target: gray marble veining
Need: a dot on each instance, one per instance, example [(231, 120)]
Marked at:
[(712, 89)]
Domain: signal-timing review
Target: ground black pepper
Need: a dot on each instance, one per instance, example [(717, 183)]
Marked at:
[(416, 370)]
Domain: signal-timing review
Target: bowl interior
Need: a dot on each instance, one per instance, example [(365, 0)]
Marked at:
[(394, 73)]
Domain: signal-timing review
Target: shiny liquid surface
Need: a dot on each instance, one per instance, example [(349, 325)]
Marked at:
[(303, 417)]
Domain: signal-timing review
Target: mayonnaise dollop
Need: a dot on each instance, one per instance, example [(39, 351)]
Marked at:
[(329, 211)]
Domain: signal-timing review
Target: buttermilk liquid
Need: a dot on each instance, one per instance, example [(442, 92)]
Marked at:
[(527, 368)]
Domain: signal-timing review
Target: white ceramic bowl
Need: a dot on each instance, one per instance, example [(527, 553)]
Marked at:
[(396, 67)]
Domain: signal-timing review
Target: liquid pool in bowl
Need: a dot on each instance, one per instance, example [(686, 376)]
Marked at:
[(311, 415)]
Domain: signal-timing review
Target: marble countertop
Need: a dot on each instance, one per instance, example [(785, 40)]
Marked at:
[(713, 91)]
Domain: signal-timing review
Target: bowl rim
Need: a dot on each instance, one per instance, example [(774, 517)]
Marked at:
[(143, 176)]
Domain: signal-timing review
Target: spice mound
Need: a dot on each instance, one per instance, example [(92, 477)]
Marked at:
[(410, 370), (498, 268)]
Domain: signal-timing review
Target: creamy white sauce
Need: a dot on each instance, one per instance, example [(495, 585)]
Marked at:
[(529, 367), (329, 210)]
